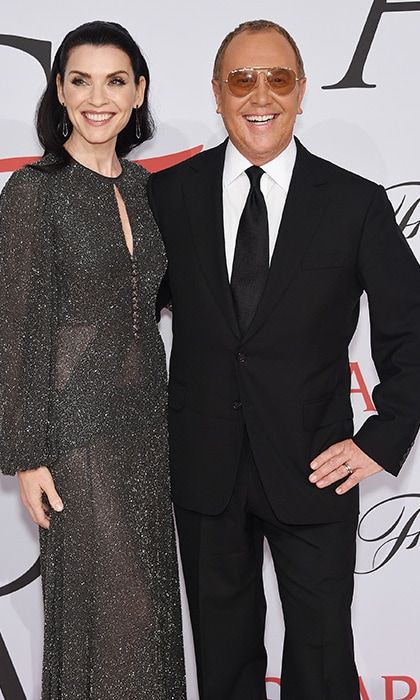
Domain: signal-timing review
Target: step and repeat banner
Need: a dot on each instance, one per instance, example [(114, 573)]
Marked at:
[(362, 111)]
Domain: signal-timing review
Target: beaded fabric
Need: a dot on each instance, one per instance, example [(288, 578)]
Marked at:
[(83, 391)]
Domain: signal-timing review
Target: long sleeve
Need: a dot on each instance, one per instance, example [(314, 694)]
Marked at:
[(391, 277), (26, 312)]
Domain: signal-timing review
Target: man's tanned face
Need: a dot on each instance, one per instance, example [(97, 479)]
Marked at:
[(261, 123)]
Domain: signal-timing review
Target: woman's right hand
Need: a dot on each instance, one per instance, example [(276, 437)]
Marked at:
[(33, 484)]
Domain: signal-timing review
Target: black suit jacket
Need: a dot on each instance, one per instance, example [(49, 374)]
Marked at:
[(288, 378)]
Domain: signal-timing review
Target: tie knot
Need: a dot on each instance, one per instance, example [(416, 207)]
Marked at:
[(255, 174)]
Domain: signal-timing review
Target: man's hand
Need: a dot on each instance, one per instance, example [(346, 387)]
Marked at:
[(344, 459), (33, 484)]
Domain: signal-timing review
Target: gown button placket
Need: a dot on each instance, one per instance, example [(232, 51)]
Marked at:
[(135, 297)]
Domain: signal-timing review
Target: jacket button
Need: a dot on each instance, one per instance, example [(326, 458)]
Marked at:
[(241, 357), (237, 405)]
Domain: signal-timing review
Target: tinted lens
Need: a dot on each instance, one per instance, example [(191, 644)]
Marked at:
[(241, 82), (281, 80)]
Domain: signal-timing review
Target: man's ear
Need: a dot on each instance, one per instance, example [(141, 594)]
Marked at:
[(302, 89), (217, 94)]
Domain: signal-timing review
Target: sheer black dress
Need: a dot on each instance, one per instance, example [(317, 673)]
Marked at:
[(83, 391)]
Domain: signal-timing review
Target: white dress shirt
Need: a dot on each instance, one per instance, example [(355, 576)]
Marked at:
[(274, 186)]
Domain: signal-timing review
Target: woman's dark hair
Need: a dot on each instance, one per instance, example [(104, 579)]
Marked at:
[(49, 118)]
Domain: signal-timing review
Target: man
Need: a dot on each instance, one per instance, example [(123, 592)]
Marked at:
[(270, 249)]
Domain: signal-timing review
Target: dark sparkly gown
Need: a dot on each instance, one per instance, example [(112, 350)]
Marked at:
[(83, 391)]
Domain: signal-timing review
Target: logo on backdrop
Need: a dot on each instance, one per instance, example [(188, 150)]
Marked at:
[(360, 387), (10, 685), (392, 687), (401, 514), (41, 52), (354, 75), (388, 528), (405, 199)]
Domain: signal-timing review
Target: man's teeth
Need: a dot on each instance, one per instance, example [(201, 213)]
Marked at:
[(260, 118), (98, 117)]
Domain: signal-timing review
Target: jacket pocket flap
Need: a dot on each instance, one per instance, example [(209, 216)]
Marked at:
[(330, 409)]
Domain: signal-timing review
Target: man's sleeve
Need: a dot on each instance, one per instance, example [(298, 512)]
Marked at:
[(163, 299), (390, 274)]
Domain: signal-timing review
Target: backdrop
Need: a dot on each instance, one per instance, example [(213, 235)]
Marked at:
[(361, 110)]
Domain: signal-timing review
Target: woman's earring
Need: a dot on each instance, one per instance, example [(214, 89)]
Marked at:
[(64, 123), (138, 127)]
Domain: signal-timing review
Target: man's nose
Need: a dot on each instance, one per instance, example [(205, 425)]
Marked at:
[(261, 93)]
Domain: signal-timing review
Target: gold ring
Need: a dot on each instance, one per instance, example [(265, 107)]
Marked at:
[(349, 469)]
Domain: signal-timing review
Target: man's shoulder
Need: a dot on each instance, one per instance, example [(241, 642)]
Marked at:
[(200, 161), (333, 173)]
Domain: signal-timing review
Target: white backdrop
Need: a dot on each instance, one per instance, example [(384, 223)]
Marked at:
[(373, 131)]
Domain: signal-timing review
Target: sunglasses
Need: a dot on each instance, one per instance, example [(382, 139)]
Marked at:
[(242, 81)]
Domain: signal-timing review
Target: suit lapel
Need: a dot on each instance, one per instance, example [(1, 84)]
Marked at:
[(204, 202), (303, 210)]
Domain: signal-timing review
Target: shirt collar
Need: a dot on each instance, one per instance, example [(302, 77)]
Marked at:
[(280, 169)]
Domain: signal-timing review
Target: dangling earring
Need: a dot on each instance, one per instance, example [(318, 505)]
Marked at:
[(138, 127), (64, 123)]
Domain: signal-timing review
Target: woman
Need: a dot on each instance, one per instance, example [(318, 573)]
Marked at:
[(83, 379)]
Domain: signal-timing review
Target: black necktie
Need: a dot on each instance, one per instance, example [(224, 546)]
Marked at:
[(251, 259)]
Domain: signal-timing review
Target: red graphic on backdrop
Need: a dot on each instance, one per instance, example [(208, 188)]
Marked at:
[(273, 680), (8, 165), (361, 386), (393, 686)]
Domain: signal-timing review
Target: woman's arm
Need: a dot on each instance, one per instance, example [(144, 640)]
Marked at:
[(26, 320)]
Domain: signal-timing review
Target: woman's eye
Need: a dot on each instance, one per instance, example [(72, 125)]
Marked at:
[(78, 81), (117, 81)]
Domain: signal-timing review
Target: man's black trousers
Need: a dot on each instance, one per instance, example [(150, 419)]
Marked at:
[(222, 558)]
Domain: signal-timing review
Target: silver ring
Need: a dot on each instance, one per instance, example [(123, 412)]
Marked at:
[(348, 467)]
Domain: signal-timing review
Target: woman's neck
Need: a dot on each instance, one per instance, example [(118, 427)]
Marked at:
[(100, 157)]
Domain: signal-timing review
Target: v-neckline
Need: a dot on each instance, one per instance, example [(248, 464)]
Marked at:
[(117, 192)]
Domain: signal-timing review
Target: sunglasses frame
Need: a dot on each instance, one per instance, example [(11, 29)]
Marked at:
[(265, 70)]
